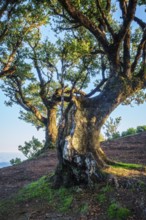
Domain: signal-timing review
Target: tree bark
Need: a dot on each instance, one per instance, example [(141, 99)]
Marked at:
[(79, 152), (81, 159), (51, 131)]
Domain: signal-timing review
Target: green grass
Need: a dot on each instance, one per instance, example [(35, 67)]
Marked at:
[(65, 199), (116, 212), (38, 189), (84, 208), (128, 165), (58, 199), (102, 197)]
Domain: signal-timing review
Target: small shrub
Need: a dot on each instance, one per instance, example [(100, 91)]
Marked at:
[(15, 161), (31, 148), (84, 208), (130, 131), (106, 188), (65, 199), (116, 212), (101, 198), (141, 128), (65, 204)]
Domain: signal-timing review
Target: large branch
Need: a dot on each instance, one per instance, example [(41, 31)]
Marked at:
[(97, 89), (86, 22), (126, 55), (127, 20), (7, 72), (12, 56), (27, 103), (141, 48), (104, 18), (141, 23)]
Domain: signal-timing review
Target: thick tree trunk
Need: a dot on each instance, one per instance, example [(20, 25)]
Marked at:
[(80, 157), (51, 131)]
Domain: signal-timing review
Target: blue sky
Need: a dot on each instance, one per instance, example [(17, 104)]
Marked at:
[(14, 132)]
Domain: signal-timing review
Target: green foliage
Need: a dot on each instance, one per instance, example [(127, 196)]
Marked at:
[(31, 148), (65, 199), (41, 189), (38, 189), (128, 165), (106, 188), (111, 127), (116, 212), (141, 128), (15, 161), (130, 131), (102, 197), (84, 208)]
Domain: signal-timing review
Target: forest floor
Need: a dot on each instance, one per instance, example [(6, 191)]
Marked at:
[(23, 199)]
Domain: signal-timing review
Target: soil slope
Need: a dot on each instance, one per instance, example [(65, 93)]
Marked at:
[(131, 149)]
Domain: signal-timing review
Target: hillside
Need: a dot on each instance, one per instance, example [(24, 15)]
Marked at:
[(131, 149)]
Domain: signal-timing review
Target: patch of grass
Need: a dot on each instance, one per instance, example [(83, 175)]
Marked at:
[(38, 189), (116, 212), (60, 199), (65, 199), (5, 206), (101, 198), (65, 204), (128, 166), (84, 208), (106, 188)]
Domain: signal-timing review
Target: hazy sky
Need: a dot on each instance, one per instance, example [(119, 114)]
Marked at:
[(13, 132)]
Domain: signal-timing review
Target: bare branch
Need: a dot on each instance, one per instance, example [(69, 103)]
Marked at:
[(24, 101), (141, 23)]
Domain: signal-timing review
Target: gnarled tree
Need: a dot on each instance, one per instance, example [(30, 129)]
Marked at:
[(123, 70)]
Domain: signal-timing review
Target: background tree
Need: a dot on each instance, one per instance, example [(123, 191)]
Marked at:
[(17, 19), (31, 148), (111, 128)]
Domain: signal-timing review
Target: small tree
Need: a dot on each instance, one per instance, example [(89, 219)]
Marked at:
[(15, 161), (141, 128), (111, 128), (129, 131), (31, 148)]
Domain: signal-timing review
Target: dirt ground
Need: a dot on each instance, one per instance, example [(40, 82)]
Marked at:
[(15, 177), (130, 149)]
